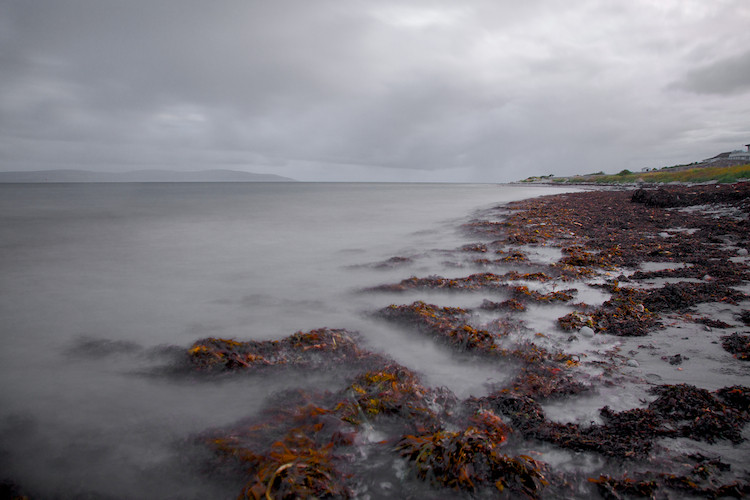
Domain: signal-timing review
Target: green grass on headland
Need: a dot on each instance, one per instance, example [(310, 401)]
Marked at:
[(698, 174)]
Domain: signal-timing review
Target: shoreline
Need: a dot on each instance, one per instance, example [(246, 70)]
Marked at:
[(646, 384)]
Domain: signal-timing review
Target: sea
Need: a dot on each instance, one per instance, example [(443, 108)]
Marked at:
[(101, 284)]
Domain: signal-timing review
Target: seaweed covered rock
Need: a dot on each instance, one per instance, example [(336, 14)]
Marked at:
[(701, 415), (632, 312), (681, 296), (656, 197), (702, 479), (446, 324), (683, 196), (392, 391), (627, 435), (624, 314), (524, 293), (736, 396), (578, 256), (300, 446), (506, 305), (544, 380), (289, 453), (680, 410), (479, 281), (471, 460), (314, 348), (737, 344)]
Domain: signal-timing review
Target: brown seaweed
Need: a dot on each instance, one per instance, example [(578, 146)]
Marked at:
[(738, 345)]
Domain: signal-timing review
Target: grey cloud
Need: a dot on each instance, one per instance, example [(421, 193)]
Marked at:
[(730, 75), (479, 87)]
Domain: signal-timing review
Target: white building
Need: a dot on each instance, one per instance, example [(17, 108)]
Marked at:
[(740, 155)]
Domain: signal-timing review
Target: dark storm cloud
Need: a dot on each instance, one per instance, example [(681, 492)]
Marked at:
[(385, 90)]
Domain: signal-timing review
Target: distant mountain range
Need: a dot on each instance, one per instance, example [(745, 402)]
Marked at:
[(139, 176)]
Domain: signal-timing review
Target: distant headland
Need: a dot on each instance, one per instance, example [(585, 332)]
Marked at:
[(139, 176)]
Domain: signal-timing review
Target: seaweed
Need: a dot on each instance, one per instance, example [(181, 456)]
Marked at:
[(474, 247), (506, 305), (681, 296), (314, 348), (392, 391), (444, 323), (624, 314), (578, 256), (288, 455), (630, 435), (737, 344), (297, 447), (632, 312), (303, 446), (470, 459), (698, 413), (702, 480), (543, 380), (683, 196), (680, 410), (524, 293), (479, 281), (712, 323)]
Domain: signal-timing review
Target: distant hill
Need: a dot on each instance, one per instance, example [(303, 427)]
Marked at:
[(139, 176)]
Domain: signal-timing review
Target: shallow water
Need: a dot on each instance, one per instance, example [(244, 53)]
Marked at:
[(96, 279)]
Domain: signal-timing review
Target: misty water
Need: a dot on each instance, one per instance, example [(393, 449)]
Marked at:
[(103, 283)]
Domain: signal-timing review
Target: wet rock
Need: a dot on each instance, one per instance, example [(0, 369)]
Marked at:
[(586, 331), (656, 198), (677, 359)]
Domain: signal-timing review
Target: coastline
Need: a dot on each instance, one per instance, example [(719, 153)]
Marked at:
[(641, 387)]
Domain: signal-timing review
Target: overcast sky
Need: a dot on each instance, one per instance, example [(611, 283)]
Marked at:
[(467, 91)]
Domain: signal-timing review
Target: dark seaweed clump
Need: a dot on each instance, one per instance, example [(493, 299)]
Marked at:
[(632, 312), (738, 344), (310, 349), (679, 411)]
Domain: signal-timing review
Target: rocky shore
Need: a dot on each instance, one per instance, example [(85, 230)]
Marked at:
[(620, 318)]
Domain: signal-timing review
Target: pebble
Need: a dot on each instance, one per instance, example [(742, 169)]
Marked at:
[(633, 363), (586, 331), (742, 252)]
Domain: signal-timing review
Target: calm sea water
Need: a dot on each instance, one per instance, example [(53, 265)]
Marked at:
[(97, 281)]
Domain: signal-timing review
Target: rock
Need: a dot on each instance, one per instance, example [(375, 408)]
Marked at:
[(742, 252), (633, 363), (586, 331), (677, 359)]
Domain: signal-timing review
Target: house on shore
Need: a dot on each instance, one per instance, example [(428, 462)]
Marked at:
[(741, 155), (736, 157)]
